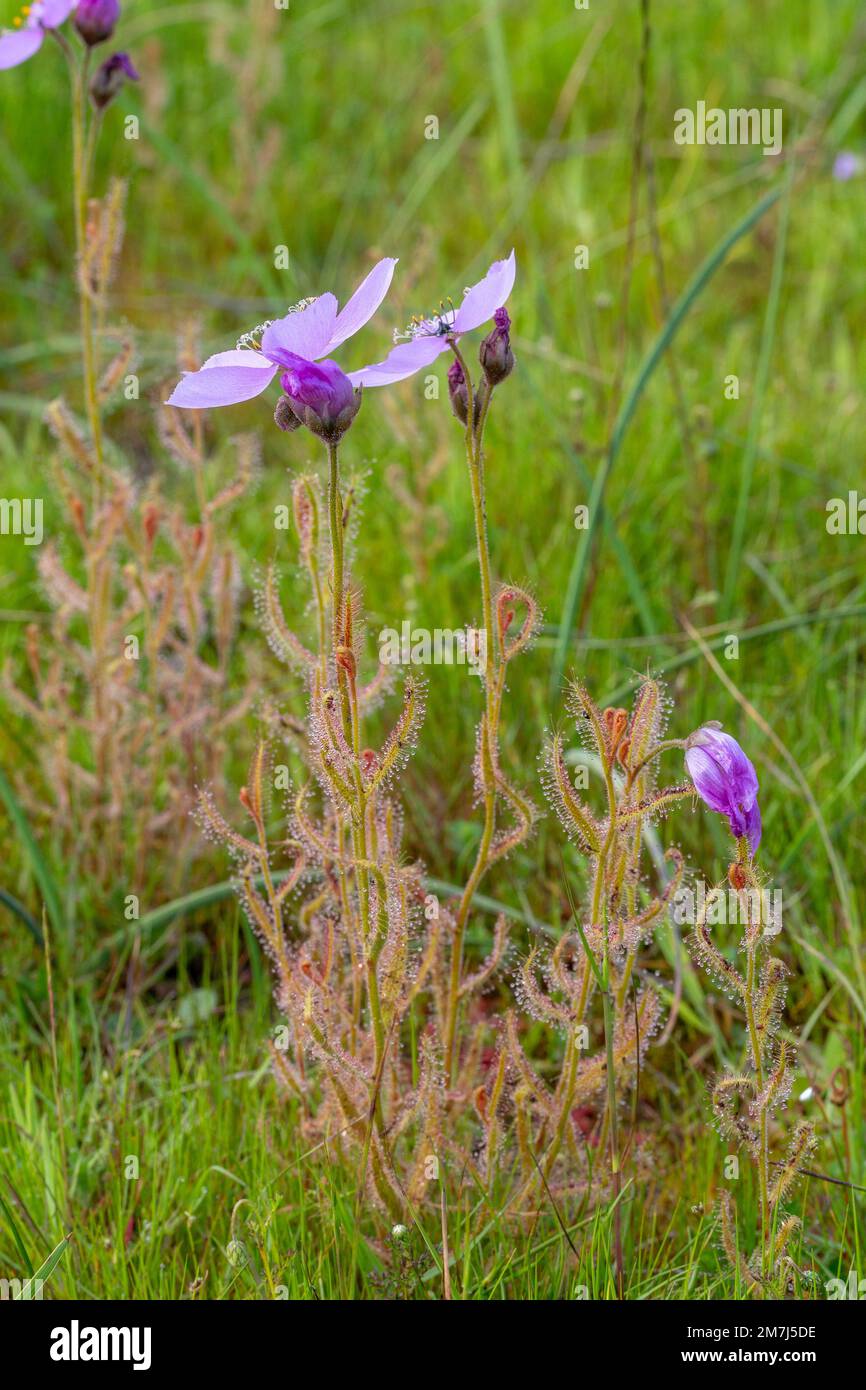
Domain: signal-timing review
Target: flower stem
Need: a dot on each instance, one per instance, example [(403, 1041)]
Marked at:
[(599, 903), (489, 744), (82, 154), (758, 1063), (352, 728)]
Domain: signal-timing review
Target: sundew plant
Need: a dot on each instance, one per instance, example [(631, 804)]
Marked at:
[(432, 842)]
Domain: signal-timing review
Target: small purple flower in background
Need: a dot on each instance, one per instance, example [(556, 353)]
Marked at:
[(846, 166), (726, 780), (306, 334), (26, 38), (110, 77), (95, 20), (428, 337)]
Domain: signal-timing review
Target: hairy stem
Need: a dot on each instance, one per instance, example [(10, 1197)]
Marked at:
[(82, 154), (489, 750), (352, 727)]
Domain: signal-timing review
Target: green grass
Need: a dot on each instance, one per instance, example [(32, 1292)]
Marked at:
[(312, 135)]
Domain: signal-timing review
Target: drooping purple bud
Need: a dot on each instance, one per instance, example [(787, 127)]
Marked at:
[(109, 77), (725, 779), (95, 20), (495, 355), (458, 391), (321, 395)]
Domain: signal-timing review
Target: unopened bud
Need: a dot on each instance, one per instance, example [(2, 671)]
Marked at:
[(345, 658), (110, 77), (458, 391), (616, 723), (95, 20), (495, 355), (737, 876), (285, 417)]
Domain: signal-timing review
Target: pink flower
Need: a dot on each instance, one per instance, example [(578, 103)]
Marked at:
[(309, 332), (427, 338), (726, 780), (25, 39)]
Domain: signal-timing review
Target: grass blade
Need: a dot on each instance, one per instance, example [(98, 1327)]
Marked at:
[(580, 566), (768, 338), (45, 1269), (41, 871)]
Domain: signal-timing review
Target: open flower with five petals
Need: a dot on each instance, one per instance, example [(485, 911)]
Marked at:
[(307, 334)]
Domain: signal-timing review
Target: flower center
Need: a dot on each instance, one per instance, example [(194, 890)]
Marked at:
[(439, 326), (253, 339)]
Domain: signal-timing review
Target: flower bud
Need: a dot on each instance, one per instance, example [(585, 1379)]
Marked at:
[(95, 20), (321, 396), (345, 659), (458, 391), (285, 417), (737, 876), (725, 780), (495, 355), (109, 78)]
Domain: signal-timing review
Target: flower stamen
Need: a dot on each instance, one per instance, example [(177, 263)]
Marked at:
[(438, 326), (253, 339)]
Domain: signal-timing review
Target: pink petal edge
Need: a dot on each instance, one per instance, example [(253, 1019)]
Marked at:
[(363, 304)]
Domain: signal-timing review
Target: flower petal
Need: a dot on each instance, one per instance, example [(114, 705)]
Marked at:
[(223, 380), (753, 827), (709, 779), (363, 304), (323, 386), (55, 11), (305, 333), (403, 361), (482, 300), (237, 357), (18, 45), (740, 776)]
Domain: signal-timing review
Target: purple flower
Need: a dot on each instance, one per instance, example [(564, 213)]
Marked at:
[(321, 396), (427, 338), (846, 165), (726, 780), (25, 39), (110, 77), (307, 333), (95, 20)]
